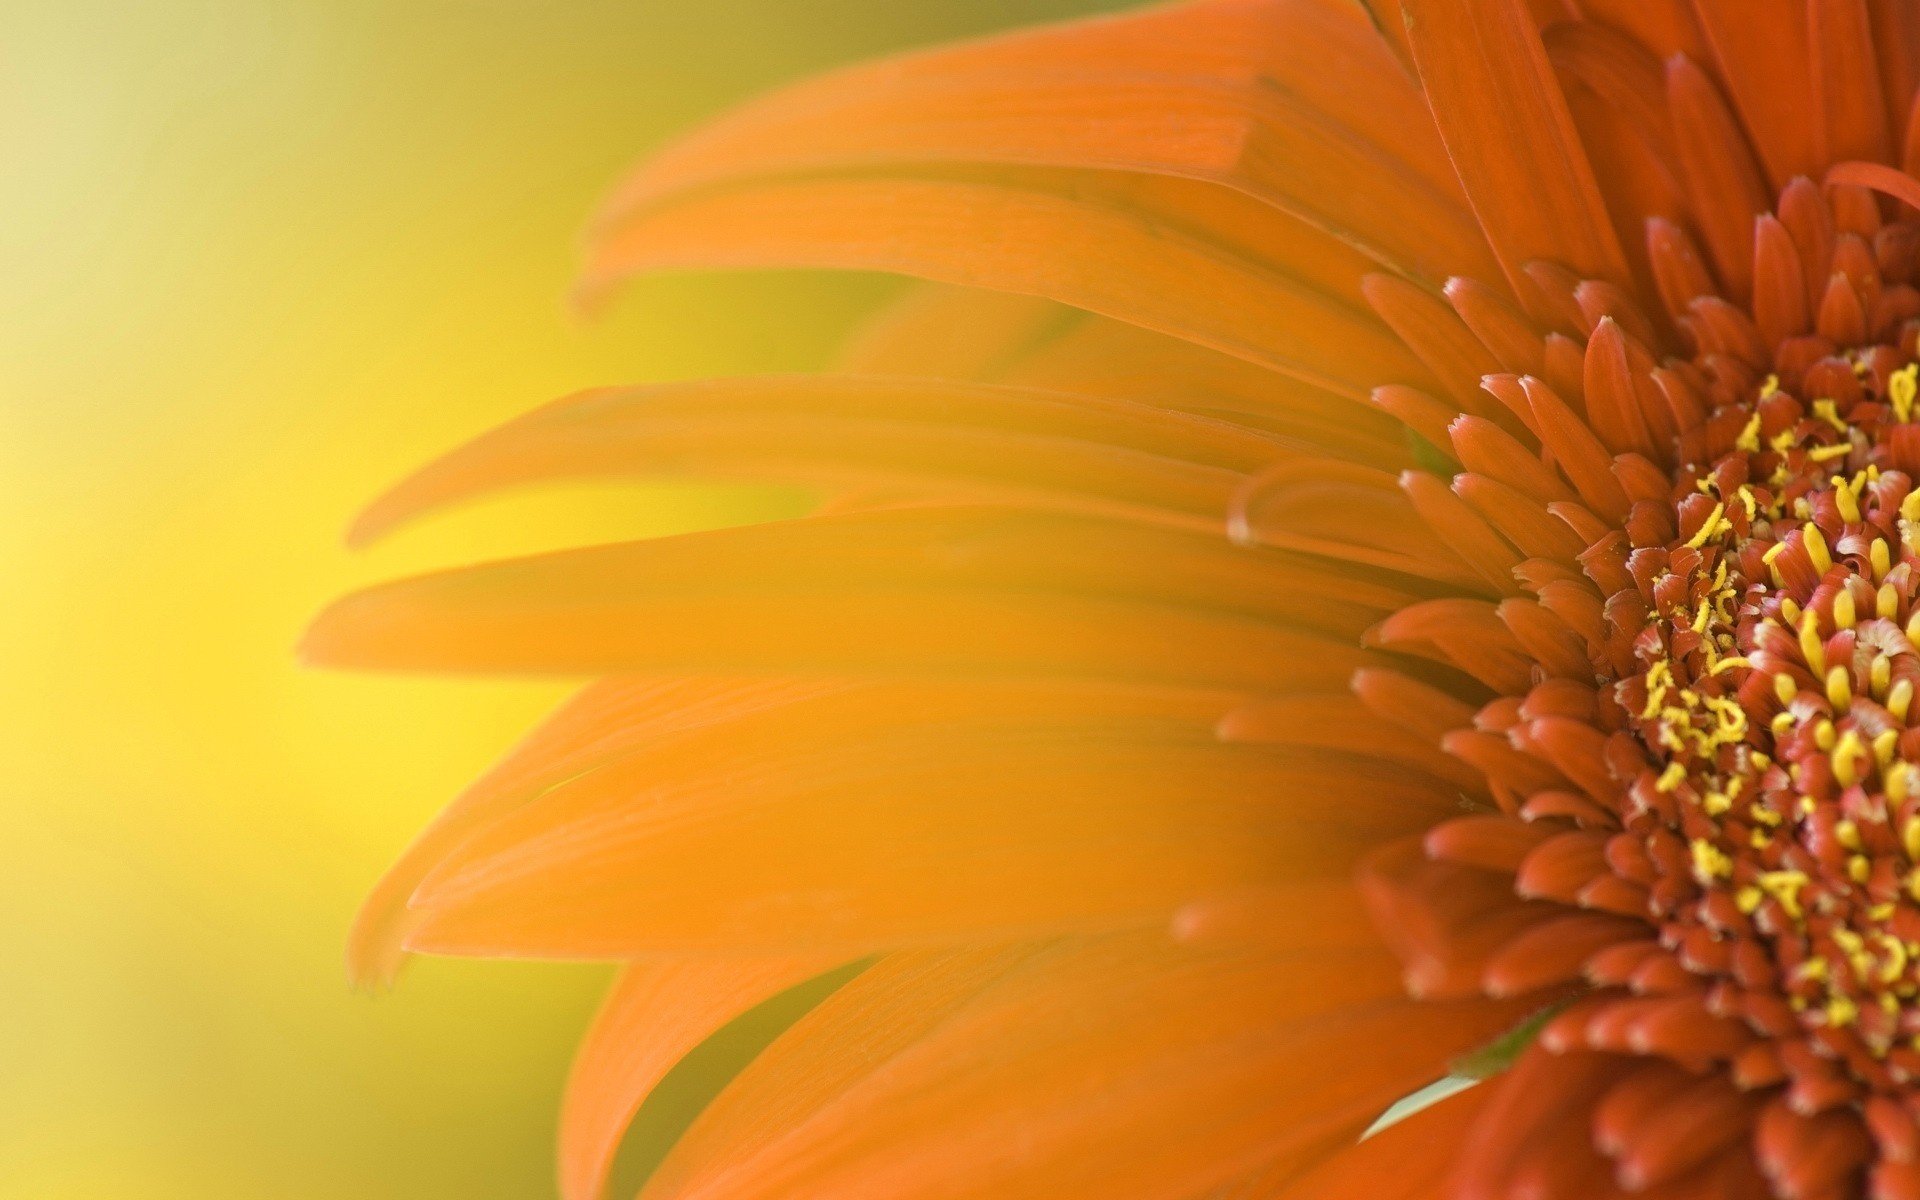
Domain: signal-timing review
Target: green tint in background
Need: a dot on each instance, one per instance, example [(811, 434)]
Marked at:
[(258, 257)]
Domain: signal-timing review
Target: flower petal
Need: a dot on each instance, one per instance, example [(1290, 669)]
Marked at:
[(1506, 125), (1066, 245), (1226, 93), (952, 592), (1108, 1069), (987, 442), (794, 828), (1408, 1160), (653, 1016)]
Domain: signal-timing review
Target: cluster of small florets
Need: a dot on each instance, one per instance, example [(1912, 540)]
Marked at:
[(1777, 665)]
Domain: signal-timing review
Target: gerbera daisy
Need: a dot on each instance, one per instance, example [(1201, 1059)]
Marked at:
[(1386, 547)]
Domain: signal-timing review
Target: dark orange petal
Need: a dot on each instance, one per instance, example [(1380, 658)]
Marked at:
[(1846, 75), (1506, 126), (1761, 50), (1723, 182)]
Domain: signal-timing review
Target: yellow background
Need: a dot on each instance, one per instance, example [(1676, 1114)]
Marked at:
[(256, 258)]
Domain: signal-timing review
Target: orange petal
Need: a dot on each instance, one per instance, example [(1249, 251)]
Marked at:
[(1153, 1079), (1108, 358), (1232, 94), (791, 828), (1506, 125), (1408, 1160), (1852, 108), (1066, 246), (1082, 453), (950, 332), (653, 1016), (848, 1036), (1761, 50), (605, 721), (952, 592)]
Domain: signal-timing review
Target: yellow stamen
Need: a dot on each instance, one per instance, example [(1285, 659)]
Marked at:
[(1709, 861), (1816, 548), (1845, 500), (1846, 758), (1901, 386), (1839, 688), (1707, 530), (1883, 746), (1844, 613), (1811, 647)]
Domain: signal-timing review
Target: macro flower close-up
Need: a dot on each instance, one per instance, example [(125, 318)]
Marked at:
[(1338, 617), (1385, 547)]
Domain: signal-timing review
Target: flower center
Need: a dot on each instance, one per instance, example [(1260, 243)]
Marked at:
[(1768, 620)]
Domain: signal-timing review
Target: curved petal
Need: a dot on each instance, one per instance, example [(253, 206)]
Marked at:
[(786, 829), (1079, 249), (946, 592), (649, 1021), (1229, 93), (1112, 1070), (1506, 124), (1408, 1160), (607, 720), (1084, 453)]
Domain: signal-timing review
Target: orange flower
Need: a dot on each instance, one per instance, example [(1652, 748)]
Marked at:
[(1375, 556)]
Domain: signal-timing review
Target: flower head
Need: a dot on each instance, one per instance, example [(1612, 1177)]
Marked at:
[(1387, 548)]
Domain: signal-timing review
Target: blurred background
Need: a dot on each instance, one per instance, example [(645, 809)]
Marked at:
[(258, 257)]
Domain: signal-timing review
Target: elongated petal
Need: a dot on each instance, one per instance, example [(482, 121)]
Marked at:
[(616, 719), (784, 829), (605, 721), (1500, 111), (956, 592), (1202, 1067), (1405, 1161), (1227, 93), (991, 442), (847, 1037), (1762, 52), (1080, 251), (648, 1022)]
